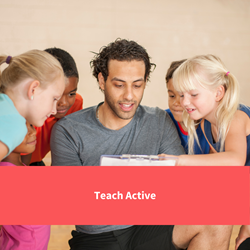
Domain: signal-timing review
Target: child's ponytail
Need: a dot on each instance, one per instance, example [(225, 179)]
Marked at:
[(35, 64), (3, 59), (227, 106)]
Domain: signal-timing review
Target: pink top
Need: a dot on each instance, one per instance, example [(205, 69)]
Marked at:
[(23, 237), (5, 163)]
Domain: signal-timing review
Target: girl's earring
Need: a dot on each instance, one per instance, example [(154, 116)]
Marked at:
[(32, 97)]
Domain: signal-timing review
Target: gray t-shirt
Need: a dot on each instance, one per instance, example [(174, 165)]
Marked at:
[(80, 139)]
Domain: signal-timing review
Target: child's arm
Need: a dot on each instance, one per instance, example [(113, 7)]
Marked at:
[(235, 147), (3, 150), (243, 235)]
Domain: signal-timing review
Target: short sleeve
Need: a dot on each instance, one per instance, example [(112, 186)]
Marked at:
[(12, 130), (64, 150), (12, 125)]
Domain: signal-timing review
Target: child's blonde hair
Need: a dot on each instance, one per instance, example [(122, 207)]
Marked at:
[(210, 72), (35, 64)]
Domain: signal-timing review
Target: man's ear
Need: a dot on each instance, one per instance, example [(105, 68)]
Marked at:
[(101, 81), (220, 92), (33, 87)]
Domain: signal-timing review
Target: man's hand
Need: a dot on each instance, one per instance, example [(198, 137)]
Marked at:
[(243, 234)]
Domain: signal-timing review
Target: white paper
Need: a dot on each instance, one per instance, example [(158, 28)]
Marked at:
[(139, 161)]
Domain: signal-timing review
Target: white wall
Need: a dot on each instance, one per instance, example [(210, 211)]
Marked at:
[(168, 29)]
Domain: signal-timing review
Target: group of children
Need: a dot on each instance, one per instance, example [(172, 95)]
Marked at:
[(36, 143), (39, 87)]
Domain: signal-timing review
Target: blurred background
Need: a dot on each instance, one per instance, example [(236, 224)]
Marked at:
[(169, 29)]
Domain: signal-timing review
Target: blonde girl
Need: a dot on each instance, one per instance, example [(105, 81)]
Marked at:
[(210, 93), (30, 86)]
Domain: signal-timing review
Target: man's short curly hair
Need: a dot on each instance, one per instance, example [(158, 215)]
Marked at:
[(120, 50)]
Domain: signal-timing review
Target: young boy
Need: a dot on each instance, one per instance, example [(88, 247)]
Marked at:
[(70, 102), (175, 112)]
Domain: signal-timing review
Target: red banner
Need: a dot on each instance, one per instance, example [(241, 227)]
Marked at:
[(125, 195)]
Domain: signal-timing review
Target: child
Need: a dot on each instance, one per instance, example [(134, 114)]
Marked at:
[(20, 237), (175, 111), (30, 87), (68, 103), (208, 91)]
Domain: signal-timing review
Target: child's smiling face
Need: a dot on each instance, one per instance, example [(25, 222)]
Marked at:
[(199, 102), (174, 102), (68, 97)]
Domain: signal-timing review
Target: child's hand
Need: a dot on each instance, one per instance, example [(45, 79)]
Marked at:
[(243, 234), (164, 155)]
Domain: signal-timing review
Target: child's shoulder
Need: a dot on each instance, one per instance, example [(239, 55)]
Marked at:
[(239, 116), (7, 106), (244, 109), (240, 120), (243, 113)]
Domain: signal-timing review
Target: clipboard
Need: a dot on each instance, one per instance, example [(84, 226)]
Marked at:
[(137, 160)]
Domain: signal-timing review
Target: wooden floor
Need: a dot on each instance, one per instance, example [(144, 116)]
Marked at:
[(59, 237), (61, 234)]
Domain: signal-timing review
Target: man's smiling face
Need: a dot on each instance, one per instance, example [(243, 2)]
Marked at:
[(124, 87)]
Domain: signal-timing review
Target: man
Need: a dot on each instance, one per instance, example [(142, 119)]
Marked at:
[(120, 125)]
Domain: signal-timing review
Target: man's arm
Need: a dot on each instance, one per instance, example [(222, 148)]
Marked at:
[(64, 147)]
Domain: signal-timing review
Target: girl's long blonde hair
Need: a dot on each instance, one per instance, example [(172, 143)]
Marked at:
[(35, 64), (210, 72)]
